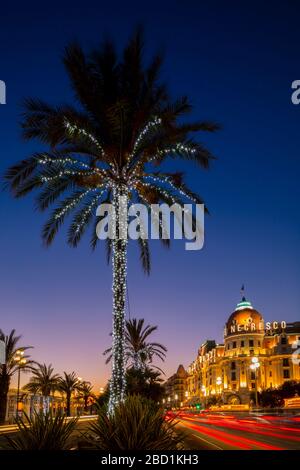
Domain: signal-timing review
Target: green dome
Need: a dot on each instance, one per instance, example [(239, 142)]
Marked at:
[(244, 304)]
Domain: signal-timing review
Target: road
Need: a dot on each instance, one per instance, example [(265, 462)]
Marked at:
[(213, 431)]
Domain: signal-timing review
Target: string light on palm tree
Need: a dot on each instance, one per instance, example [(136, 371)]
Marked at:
[(109, 150)]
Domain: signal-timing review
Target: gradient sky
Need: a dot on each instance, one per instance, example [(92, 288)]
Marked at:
[(236, 64)]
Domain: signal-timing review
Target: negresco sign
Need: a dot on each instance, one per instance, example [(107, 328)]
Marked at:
[(251, 326)]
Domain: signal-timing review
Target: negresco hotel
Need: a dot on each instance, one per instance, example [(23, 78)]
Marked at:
[(254, 354)]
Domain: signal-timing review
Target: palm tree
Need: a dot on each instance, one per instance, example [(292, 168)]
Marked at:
[(44, 381), (109, 148), (68, 384), (85, 390), (139, 352), (10, 367)]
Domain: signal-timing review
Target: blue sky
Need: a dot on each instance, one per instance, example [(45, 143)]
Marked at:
[(236, 62)]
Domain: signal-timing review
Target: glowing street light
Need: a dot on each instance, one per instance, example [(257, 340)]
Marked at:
[(21, 362), (254, 366)]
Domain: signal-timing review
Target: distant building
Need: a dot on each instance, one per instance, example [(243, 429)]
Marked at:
[(29, 404), (226, 371), (176, 387)]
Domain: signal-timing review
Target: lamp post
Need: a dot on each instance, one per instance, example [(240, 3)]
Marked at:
[(21, 361), (176, 398), (219, 382), (255, 364)]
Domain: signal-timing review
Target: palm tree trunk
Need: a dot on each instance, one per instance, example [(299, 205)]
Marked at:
[(46, 404), (68, 400), (119, 261), (4, 387), (86, 399)]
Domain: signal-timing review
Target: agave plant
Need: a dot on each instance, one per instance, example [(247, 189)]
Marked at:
[(110, 147), (43, 432), (137, 424)]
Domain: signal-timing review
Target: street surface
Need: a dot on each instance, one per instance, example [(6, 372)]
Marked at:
[(220, 431)]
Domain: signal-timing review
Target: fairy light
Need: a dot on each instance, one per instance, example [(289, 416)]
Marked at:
[(119, 265), (155, 122), (62, 173), (72, 204), (167, 179), (87, 212), (72, 128)]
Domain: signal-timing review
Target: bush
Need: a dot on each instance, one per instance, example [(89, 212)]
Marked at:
[(137, 424), (43, 432)]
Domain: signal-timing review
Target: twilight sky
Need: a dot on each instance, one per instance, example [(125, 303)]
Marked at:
[(236, 64)]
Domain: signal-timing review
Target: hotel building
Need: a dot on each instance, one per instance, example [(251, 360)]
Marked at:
[(255, 355)]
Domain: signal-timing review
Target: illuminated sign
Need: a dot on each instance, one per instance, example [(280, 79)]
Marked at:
[(250, 326)]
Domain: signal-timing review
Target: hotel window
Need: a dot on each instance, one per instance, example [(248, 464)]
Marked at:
[(286, 374), (233, 366), (242, 343), (252, 375), (258, 342), (270, 373), (233, 376), (283, 340), (253, 385), (234, 345), (251, 343), (285, 362), (233, 386)]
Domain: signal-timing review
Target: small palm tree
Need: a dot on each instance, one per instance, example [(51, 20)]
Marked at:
[(139, 351), (68, 384), (44, 381), (11, 366), (111, 146), (85, 390)]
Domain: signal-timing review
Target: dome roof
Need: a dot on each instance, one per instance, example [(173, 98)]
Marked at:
[(244, 314)]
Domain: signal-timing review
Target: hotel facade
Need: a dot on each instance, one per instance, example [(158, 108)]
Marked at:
[(255, 355)]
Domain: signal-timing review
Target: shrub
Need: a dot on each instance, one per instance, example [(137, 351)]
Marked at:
[(43, 432), (137, 424)]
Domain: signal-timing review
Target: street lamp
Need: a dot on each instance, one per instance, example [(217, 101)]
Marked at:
[(176, 398), (255, 364), (219, 382), (21, 361)]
